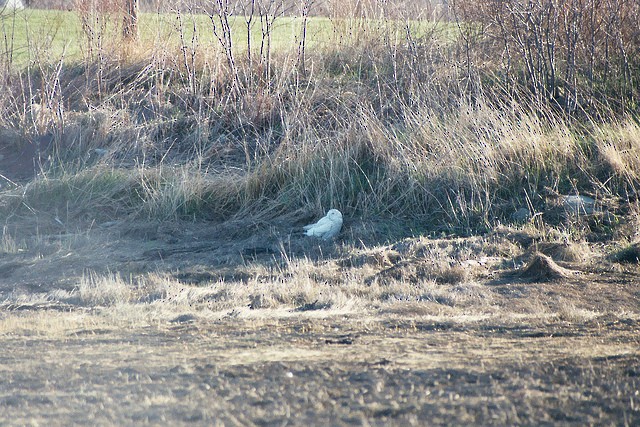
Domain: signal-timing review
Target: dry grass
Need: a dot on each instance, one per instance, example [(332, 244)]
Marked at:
[(153, 265), (378, 123), (619, 150), (488, 278), (8, 245), (375, 124)]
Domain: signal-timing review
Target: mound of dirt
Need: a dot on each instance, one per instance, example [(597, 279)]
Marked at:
[(542, 268)]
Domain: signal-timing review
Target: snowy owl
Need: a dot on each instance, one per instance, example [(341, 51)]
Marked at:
[(327, 227)]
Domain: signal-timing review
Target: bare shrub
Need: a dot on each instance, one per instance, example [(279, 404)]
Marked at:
[(95, 18), (130, 20), (575, 53)]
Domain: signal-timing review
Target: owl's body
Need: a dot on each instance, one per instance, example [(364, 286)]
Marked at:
[(327, 227)]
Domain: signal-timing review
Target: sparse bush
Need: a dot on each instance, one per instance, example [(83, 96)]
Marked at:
[(581, 55)]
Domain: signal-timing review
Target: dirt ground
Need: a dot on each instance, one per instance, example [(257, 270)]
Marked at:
[(235, 331), (330, 371)]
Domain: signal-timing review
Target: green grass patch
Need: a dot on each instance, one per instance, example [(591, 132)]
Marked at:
[(35, 34)]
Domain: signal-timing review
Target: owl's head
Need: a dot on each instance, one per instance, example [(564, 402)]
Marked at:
[(334, 214)]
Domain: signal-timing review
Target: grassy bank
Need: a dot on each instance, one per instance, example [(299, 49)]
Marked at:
[(379, 118)]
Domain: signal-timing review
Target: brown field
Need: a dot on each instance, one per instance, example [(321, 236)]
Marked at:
[(237, 324), (153, 191)]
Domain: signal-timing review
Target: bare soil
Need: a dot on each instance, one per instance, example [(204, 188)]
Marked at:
[(494, 343), (334, 371)]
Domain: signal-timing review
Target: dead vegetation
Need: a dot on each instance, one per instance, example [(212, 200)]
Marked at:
[(152, 200), (384, 121)]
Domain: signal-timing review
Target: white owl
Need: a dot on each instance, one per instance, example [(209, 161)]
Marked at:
[(327, 227)]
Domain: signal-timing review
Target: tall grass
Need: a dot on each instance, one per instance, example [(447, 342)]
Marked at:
[(384, 118)]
